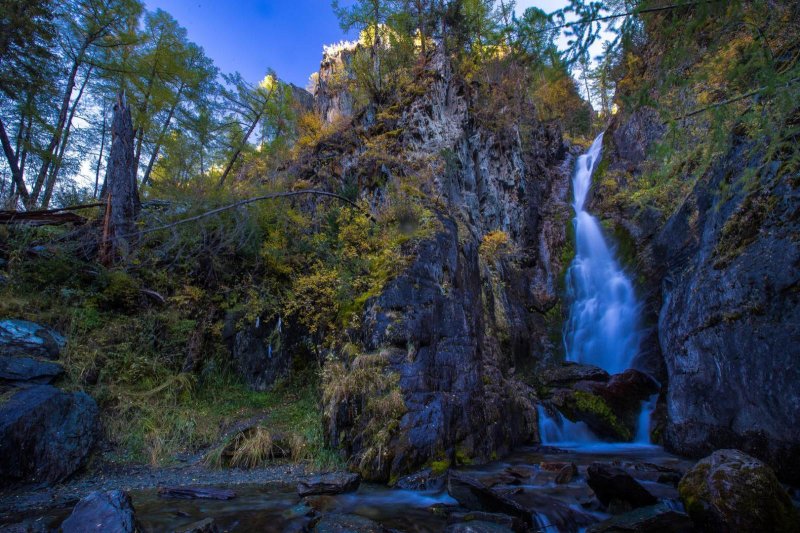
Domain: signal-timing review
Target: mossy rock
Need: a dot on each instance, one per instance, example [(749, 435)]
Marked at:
[(731, 491), (580, 406)]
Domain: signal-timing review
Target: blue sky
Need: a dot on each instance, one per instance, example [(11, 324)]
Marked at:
[(250, 36)]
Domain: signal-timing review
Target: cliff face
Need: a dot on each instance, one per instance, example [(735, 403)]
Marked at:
[(457, 326), (722, 275)]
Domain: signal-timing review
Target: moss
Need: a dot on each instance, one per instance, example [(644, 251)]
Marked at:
[(462, 457), (439, 467), (584, 402)]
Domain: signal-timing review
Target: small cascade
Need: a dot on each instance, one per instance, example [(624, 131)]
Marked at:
[(643, 426), (559, 430)]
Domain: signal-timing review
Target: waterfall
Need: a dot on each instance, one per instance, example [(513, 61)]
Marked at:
[(602, 328), (603, 324)]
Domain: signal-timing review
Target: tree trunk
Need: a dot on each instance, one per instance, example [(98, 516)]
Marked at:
[(12, 163), (62, 119), (123, 204), (51, 181), (162, 133), (238, 151), (100, 157)]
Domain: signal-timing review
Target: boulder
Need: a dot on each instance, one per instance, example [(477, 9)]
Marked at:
[(108, 512), (594, 411), (20, 337), (196, 493), (567, 474), (613, 485), (507, 523), (731, 491), (45, 434), (23, 370), (423, 480), (347, 523), (652, 519), (335, 483), (569, 373), (474, 495)]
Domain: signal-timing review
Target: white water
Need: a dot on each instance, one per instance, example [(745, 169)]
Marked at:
[(603, 324)]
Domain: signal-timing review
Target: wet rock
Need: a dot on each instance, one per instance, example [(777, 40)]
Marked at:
[(206, 525), (731, 491), (553, 466), (652, 519), (16, 371), (335, 483), (594, 410), (347, 523), (473, 494), (550, 513), (478, 526), (423, 480), (730, 318), (45, 434), (258, 350), (107, 512), (612, 485), (20, 337), (569, 373), (521, 471), (509, 523), (567, 474), (28, 526)]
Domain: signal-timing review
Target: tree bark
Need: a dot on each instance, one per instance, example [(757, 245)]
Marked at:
[(102, 147), (123, 205), (16, 175)]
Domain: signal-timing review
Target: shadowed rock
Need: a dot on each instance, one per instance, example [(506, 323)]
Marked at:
[(336, 483), (107, 512), (347, 523), (652, 519), (45, 434), (611, 484), (731, 491), (20, 337), (22, 370)]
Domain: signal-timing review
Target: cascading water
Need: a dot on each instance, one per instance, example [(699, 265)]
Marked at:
[(603, 324)]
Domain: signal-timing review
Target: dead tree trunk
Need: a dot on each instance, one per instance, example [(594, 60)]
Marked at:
[(123, 198)]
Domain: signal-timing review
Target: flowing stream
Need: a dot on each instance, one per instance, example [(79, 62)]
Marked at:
[(603, 324)]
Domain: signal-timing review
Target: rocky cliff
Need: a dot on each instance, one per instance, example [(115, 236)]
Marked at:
[(460, 324)]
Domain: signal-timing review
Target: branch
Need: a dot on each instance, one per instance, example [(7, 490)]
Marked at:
[(250, 201), (731, 100), (626, 14)]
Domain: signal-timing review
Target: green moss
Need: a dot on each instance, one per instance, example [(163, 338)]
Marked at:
[(462, 457), (596, 406), (440, 467)]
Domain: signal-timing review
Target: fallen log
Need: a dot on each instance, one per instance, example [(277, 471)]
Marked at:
[(196, 493), (41, 218)]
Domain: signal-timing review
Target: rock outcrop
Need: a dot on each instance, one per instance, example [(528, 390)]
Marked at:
[(731, 491), (457, 325), (20, 337), (258, 350), (45, 434)]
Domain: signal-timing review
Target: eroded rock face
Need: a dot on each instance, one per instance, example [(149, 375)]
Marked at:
[(258, 349), (16, 371), (20, 337), (457, 325), (45, 434), (336, 483), (731, 491), (110, 512), (730, 319)]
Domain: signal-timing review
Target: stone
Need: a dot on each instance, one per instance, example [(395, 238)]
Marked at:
[(20, 337), (569, 373), (425, 479), (335, 483), (196, 493), (206, 525), (347, 523), (567, 474), (45, 434), (106, 512), (474, 495), (22, 370), (611, 484), (732, 491), (508, 523), (658, 518)]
